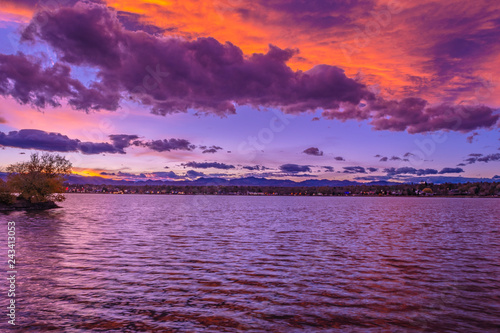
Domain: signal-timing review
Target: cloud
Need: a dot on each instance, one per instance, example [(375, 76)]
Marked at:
[(471, 137), (451, 170), (208, 76), (384, 159), (37, 139), (415, 115), (24, 79), (409, 170), (210, 150), (294, 168), (255, 167), (339, 158), (354, 169), (328, 168), (130, 175), (395, 158), (207, 165), (371, 169), (374, 178), (167, 145), (56, 142), (122, 141), (194, 174), (2, 120), (202, 74), (163, 174), (480, 158), (313, 151)]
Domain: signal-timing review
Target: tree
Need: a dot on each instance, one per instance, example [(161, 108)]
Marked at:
[(5, 196), (40, 179)]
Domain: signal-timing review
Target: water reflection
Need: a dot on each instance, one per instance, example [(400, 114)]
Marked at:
[(209, 263)]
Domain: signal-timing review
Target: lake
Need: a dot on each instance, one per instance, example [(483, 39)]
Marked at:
[(157, 263)]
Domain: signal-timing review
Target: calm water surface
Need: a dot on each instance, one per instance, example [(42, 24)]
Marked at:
[(138, 263)]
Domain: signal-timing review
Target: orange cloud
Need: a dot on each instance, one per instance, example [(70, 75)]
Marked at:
[(387, 43)]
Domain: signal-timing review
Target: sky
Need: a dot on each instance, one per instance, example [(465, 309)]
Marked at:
[(363, 90)]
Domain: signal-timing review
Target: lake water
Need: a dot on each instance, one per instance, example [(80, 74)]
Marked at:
[(139, 263)]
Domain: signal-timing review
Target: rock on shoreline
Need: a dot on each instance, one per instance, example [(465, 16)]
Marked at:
[(25, 205)]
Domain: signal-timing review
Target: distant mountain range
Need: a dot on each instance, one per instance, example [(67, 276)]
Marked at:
[(255, 181), (247, 181)]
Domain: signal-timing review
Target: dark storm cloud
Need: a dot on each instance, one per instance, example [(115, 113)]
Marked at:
[(294, 168), (313, 151), (207, 165)]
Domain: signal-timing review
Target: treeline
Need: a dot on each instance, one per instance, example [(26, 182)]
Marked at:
[(422, 189)]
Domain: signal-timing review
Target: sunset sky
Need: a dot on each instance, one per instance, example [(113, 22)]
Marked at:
[(360, 90)]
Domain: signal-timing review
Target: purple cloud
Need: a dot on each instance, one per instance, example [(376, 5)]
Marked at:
[(354, 169), (194, 174), (167, 145), (172, 75), (480, 158), (210, 150), (207, 165), (41, 140), (294, 168), (313, 151), (122, 141), (202, 74), (27, 82), (328, 168), (409, 170), (451, 170)]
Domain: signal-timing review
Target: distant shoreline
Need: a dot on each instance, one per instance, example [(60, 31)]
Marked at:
[(466, 190), (319, 196)]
